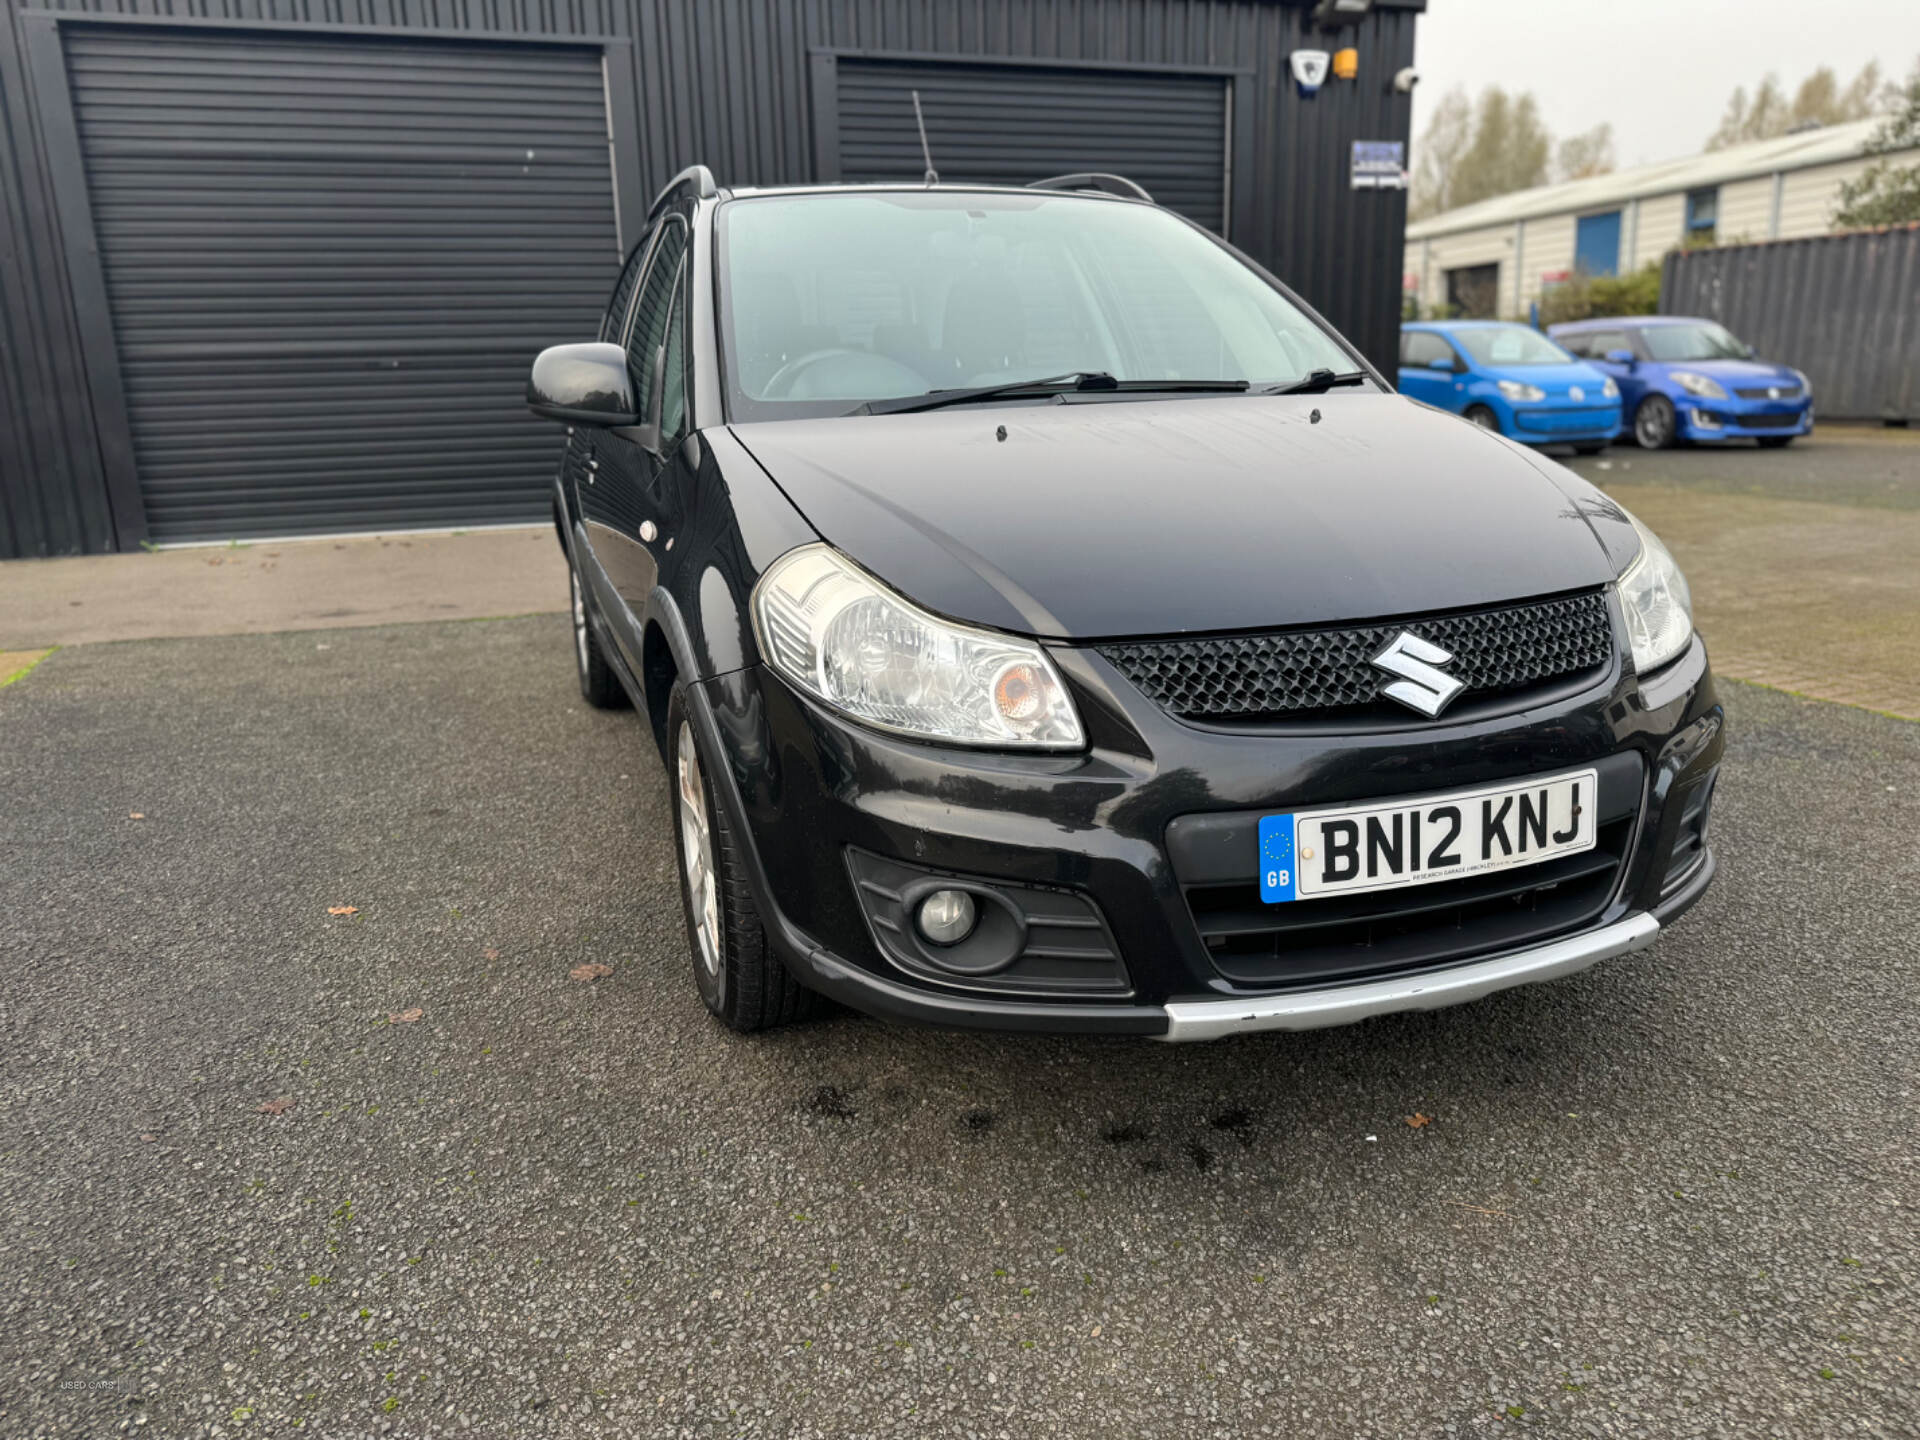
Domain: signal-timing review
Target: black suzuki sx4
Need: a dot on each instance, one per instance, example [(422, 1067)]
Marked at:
[(1049, 623)]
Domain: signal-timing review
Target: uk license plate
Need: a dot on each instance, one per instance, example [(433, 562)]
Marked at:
[(1419, 840)]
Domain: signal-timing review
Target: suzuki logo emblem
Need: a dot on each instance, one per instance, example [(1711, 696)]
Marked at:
[(1773, 392), (1421, 686)]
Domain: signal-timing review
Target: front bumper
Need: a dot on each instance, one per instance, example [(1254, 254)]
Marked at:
[(1736, 419), (824, 801), (1547, 423)]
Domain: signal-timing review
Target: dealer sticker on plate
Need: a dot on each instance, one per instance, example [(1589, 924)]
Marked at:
[(1417, 840)]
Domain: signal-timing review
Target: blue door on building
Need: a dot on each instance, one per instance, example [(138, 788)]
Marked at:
[(1596, 243)]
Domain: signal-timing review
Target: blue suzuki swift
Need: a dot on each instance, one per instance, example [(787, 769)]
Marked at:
[(1689, 379), (1511, 379)]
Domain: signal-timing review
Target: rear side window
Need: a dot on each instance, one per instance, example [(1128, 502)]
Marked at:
[(654, 312)]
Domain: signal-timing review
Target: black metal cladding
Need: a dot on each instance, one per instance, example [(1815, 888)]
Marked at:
[(1301, 673), (1005, 124), (727, 82)]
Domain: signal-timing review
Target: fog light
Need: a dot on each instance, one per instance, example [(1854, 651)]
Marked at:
[(947, 916), (1705, 419)]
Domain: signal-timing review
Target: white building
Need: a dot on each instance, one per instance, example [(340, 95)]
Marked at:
[(1494, 257)]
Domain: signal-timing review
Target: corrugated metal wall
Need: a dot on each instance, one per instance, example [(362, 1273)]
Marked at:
[(1012, 124), (1843, 308), (728, 82)]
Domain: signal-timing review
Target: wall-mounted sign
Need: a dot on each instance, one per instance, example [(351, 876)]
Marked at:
[(1379, 165), (1555, 277), (1309, 70)]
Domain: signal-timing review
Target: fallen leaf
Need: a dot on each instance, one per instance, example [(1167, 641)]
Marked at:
[(147, 1138), (1096, 1330), (136, 815), (1416, 1120), (276, 1107), (343, 910), (493, 954), (404, 1017), (590, 972)]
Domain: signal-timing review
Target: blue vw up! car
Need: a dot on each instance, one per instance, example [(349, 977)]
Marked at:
[(1509, 378), (1683, 378)]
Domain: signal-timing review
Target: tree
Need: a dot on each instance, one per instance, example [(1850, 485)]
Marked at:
[(1473, 151), (1589, 153), (1885, 193), (1820, 100)]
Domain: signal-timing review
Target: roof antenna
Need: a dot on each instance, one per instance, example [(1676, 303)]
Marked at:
[(933, 175)]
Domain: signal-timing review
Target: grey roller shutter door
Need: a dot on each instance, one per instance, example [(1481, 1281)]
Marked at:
[(1009, 124), (329, 261)]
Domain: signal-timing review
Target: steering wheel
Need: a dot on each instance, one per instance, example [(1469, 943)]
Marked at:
[(783, 381)]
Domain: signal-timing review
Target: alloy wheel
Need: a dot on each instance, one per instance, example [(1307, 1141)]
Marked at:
[(1653, 424), (696, 850)]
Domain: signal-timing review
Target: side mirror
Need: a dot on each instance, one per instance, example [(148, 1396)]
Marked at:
[(1620, 357), (585, 384), (1442, 362), (1752, 354)]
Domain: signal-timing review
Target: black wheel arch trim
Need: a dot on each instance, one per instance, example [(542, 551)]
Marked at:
[(820, 970)]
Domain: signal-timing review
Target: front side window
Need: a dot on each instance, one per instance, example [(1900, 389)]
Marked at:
[(830, 301), (1511, 345), (654, 313), (1424, 347), (1702, 341)]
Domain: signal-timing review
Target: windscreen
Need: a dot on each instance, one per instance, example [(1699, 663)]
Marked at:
[(1705, 341), (830, 301), (1510, 345)]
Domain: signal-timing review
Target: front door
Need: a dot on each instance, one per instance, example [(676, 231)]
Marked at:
[(1419, 376), (624, 499)]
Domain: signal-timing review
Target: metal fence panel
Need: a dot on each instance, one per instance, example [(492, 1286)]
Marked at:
[(1843, 308)]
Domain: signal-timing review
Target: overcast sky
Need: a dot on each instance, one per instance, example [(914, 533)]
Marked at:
[(1660, 70)]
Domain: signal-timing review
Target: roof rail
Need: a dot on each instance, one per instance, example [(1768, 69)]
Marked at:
[(698, 176), (1095, 180)]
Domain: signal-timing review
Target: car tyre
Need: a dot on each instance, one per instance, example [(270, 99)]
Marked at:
[(1482, 416), (1654, 423), (1776, 442), (740, 978), (599, 686)]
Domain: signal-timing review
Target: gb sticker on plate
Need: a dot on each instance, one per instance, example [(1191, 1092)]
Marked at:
[(1276, 858)]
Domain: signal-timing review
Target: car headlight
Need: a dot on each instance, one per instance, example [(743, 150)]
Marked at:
[(1658, 605), (1695, 384), (1519, 390), (1610, 390), (1806, 385), (844, 638)]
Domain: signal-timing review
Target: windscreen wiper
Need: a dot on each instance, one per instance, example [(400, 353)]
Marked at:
[(1077, 380), (1318, 382)]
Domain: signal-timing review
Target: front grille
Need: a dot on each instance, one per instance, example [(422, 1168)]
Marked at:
[(1565, 422), (1767, 422), (1338, 937), (1300, 673), (1256, 944), (1767, 392)]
